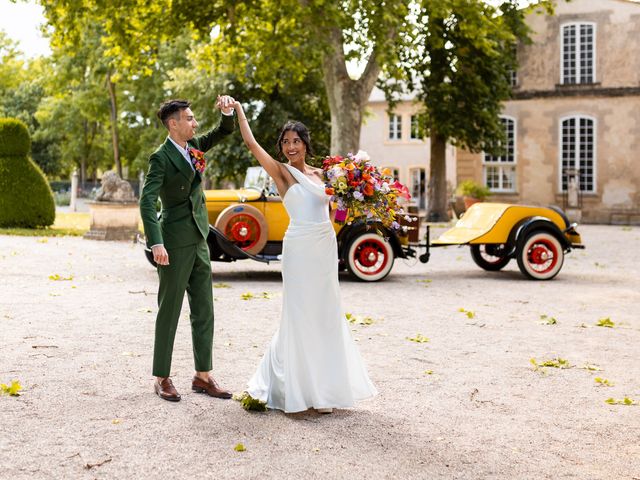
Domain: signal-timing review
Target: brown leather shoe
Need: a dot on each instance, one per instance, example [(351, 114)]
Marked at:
[(166, 390), (211, 388)]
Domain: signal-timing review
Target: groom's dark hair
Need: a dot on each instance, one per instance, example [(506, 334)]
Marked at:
[(171, 109)]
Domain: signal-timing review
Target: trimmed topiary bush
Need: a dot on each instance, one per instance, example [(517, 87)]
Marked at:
[(26, 200)]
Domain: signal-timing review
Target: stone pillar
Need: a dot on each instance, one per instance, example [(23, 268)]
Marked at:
[(74, 191), (113, 221)]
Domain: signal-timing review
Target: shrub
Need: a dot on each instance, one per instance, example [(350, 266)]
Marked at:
[(26, 200), (469, 188)]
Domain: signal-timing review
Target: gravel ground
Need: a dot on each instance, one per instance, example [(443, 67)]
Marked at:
[(467, 404)]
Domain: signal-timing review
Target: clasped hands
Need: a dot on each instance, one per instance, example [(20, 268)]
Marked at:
[(225, 103)]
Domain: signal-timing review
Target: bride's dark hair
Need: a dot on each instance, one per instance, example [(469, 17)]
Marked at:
[(302, 131)]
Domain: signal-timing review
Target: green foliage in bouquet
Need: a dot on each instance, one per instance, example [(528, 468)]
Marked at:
[(26, 200), (249, 403)]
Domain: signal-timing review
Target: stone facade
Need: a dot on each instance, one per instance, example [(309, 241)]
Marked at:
[(568, 114)]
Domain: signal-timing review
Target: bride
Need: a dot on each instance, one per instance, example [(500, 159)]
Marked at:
[(312, 360)]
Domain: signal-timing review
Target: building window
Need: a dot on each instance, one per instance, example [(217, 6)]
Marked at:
[(500, 170), (395, 127), (578, 151), (578, 53), (418, 186), (416, 134)]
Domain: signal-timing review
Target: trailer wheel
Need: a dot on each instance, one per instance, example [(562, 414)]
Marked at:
[(540, 256)]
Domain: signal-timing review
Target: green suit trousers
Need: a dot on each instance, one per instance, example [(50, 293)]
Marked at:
[(189, 270)]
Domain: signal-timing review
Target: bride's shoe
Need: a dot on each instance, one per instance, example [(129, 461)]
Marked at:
[(324, 410)]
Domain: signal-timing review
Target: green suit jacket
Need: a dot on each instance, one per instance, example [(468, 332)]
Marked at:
[(184, 220)]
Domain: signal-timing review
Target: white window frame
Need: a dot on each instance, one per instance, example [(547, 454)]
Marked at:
[(394, 126), (512, 165), (425, 198), (576, 160), (578, 74)]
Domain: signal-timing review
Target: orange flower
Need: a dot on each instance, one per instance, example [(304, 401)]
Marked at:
[(329, 191), (368, 190)]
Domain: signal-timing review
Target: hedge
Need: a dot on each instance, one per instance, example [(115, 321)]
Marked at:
[(26, 200)]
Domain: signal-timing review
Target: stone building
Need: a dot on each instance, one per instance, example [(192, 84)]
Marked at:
[(573, 125), (394, 141)]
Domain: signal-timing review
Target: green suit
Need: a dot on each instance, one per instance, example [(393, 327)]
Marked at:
[(183, 228)]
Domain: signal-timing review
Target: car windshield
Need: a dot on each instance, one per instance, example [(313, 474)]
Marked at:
[(257, 179)]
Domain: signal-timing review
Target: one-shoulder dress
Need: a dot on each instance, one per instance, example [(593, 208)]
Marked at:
[(312, 360)]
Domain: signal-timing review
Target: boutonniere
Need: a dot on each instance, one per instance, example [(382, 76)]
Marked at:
[(197, 159)]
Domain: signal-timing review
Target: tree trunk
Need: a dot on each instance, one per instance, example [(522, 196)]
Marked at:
[(114, 123), (347, 97), (438, 179), (84, 156)]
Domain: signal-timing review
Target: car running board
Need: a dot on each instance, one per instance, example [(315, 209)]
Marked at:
[(235, 249)]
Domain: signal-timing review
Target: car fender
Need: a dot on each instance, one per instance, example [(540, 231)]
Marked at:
[(521, 230)]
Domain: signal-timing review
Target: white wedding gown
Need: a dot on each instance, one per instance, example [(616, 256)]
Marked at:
[(312, 361)]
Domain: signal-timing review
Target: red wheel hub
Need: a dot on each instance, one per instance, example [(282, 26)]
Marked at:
[(240, 231), (542, 256), (370, 257), (244, 231)]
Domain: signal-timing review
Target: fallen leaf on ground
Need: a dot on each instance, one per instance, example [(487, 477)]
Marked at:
[(11, 390), (548, 320), (605, 322), (558, 362), (603, 382), (623, 401), (419, 338), (58, 278), (358, 319), (239, 448)]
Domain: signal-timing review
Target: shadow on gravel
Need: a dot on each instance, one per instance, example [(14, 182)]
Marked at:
[(252, 276)]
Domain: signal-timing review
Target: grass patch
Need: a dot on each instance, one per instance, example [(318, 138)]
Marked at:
[(66, 224)]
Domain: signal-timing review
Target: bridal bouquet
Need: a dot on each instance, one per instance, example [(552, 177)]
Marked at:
[(363, 191)]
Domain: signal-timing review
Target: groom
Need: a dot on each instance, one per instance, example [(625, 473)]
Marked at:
[(179, 241)]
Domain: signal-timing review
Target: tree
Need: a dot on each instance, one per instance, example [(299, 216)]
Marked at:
[(457, 58), (267, 42)]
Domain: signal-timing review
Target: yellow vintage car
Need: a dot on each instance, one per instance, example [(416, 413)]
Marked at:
[(250, 223), (537, 237)]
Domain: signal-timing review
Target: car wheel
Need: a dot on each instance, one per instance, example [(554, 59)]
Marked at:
[(540, 256), (245, 226), (369, 257), (490, 257)]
